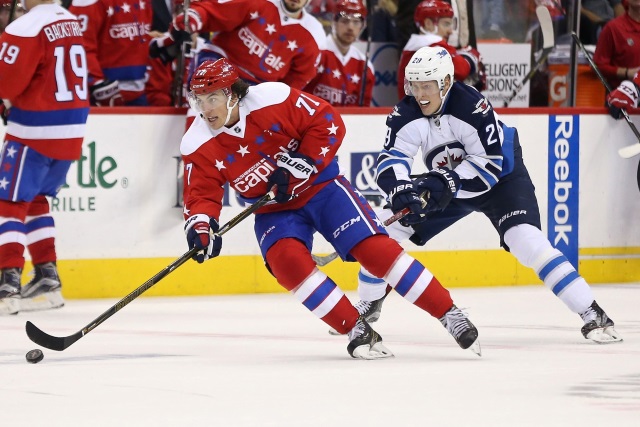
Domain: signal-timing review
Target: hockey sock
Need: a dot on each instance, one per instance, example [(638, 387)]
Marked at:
[(370, 288), (40, 230), (533, 250), (12, 234), (293, 267), (384, 258)]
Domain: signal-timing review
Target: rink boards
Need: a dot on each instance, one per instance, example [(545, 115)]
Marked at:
[(119, 220)]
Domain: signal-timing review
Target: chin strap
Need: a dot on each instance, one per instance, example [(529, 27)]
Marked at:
[(230, 109)]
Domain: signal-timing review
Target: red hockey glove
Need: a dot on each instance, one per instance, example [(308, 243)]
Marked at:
[(106, 93), (624, 96), (477, 76), (194, 24), (199, 230), (294, 170), (4, 112)]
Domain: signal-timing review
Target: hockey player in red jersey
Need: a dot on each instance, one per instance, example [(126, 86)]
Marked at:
[(271, 40), (341, 70), (5, 10), (274, 136), (434, 19), (43, 70), (117, 43)]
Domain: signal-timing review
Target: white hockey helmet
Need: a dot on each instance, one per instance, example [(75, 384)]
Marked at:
[(428, 63)]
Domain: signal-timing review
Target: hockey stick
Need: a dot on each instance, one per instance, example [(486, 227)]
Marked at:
[(61, 343), (12, 10), (185, 49), (324, 260), (548, 41), (365, 71), (630, 150)]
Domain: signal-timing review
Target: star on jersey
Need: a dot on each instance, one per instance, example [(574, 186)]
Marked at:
[(324, 151), (320, 69), (4, 183), (11, 151), (379, 223), (254, 15), (243, 150), (333, 129), (220, 165), (185, 211), (109, 11), (292, 45), (336, 74), (271, 28), (126, 8), (355, 78)]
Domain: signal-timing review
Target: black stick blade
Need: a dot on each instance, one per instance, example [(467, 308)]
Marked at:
[(48, 341)]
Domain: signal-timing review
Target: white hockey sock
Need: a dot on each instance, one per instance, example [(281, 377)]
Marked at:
[(532, 249), (370, 288)]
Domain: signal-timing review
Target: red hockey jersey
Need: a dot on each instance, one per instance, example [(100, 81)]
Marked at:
[(43, 73), (116, 40), (262, 41), (274, 119), (461, 67), (339, 79)]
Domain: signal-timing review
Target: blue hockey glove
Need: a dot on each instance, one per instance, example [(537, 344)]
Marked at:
[(405, 195), (442, 184), (199, 230), (294, 170)]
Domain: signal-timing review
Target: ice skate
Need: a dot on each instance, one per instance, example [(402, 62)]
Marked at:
[(365, 343), (461, 328), (10, 290), (369, 310), (43, 292), (598, 327)]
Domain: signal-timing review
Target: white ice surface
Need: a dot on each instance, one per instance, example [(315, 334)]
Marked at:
[(263, 360)]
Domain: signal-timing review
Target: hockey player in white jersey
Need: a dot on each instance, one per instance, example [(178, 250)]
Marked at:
[(475, 165)]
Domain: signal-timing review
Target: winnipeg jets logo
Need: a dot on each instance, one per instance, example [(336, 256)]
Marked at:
[(482, 107), (394, 112)]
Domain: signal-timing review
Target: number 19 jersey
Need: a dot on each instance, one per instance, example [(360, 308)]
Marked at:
[(43, 74)]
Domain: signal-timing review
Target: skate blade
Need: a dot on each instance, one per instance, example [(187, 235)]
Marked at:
[(604, 335), (334, 332), (475, 348), (46, 301), (9, 306), (377, 351)]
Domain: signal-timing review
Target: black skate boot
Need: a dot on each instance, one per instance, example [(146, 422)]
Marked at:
[(370, 310), (365, 343), (10, 290), (43, 292), (461, 328), (598, 326)]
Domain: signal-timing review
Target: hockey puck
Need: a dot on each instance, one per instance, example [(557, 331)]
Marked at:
[(34, 356)]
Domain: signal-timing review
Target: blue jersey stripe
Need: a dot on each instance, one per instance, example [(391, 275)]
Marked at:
[(72, 116)]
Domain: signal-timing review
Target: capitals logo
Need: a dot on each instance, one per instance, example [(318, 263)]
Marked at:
[(448, 156)]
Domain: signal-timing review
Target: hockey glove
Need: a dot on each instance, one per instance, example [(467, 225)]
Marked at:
[(199, 230), (106, 93), (294, 170), (442, 185), (194, 25), (165, 48), (624, 96), (4, 112), (405, 195), (477, 76)]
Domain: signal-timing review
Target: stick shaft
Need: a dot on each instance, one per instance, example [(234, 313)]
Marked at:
[(60, 343)]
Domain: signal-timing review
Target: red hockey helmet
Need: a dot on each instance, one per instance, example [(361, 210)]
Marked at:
[(432, 9), (350, 8), (213, 75)]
